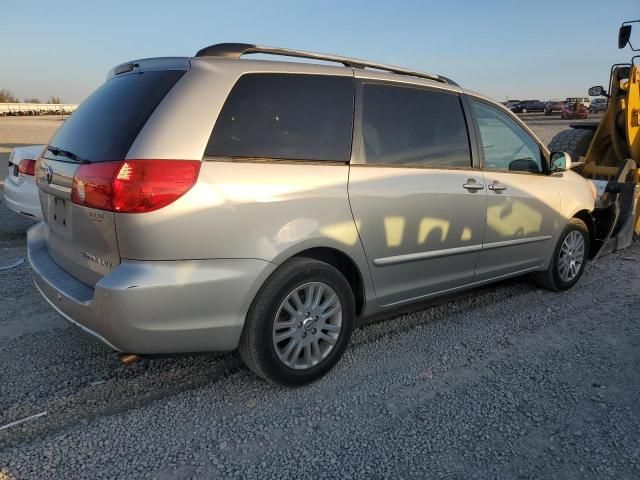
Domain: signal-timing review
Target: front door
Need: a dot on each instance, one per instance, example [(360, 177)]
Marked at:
[(417, 202), (523, 202)]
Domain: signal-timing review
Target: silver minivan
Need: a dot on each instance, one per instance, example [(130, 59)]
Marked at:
[(217, 203)]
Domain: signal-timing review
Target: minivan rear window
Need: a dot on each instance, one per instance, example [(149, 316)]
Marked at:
[(286, 116), (105, 125)]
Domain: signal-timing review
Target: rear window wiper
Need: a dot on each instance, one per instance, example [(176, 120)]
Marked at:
[(66, 153)]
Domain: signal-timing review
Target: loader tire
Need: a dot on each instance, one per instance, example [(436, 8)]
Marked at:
[(574, 141)]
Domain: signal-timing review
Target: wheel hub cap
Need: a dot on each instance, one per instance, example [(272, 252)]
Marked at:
[(308, 325)]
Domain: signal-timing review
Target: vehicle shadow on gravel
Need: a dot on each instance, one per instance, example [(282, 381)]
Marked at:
[(64, 370)]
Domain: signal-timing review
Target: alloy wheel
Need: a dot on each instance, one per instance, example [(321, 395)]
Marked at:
[(307, 325), (571, 256)]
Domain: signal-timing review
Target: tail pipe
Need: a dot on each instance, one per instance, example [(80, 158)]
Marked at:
[(129, 358)]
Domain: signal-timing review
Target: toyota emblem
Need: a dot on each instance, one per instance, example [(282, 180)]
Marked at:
[(49, 174)]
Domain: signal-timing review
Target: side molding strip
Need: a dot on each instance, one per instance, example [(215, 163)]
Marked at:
[(414, 257), (519, 241)]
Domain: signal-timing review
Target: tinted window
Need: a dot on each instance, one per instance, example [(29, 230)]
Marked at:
[(413, 127), (505, 144), (105, 125), (297, 117)]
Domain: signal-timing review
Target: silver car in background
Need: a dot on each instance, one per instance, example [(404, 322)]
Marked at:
[(215, 203), (20, 189), (598, 105)]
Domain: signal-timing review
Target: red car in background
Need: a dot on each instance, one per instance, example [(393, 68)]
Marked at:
[(574, 110), (553, 106)]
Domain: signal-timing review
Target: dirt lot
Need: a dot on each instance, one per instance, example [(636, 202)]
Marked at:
[(22, 131), (510, 381)]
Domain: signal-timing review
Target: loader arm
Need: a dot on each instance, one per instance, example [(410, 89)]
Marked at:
[(612, 161)]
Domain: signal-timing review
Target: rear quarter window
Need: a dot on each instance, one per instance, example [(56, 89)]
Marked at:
[(286, 116), (105, 125)]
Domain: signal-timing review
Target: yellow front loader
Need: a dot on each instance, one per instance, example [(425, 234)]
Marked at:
[(608, 153)]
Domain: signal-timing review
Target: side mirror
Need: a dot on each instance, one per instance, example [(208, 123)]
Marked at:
[(560, 162), (597, 91), (624, 34)]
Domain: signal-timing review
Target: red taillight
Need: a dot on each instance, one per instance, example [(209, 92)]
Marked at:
[(27, 167), (93, 185), (133, 186)]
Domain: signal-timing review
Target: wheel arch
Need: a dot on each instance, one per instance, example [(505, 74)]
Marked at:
[(345, 265), (587, 218)]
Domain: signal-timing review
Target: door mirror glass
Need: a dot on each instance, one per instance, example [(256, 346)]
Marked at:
[(623, 35), (597, 91), (560, 161)]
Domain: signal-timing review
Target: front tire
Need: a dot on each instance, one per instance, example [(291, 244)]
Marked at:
[(569, 258), (299, 324)]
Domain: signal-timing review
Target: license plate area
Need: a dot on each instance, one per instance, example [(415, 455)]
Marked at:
[(59, 217)]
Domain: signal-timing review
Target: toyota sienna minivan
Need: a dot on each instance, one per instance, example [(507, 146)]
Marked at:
[(217, 203)]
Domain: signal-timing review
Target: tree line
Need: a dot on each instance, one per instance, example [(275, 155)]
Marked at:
[(7, 97)]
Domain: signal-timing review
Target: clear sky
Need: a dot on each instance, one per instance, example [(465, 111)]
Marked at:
[(517, 49)]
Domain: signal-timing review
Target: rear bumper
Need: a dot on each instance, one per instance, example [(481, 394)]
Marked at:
[(23, 198), (154, 307)]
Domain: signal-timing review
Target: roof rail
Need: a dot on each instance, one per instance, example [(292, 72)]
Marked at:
[(236, 50)]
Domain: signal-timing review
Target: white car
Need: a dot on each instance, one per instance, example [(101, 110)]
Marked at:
[(586, 101), (20, 190)]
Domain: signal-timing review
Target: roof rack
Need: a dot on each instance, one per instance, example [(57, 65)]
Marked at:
[(236, 50)]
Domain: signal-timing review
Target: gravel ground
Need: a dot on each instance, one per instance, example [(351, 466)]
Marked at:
[(509, 381)]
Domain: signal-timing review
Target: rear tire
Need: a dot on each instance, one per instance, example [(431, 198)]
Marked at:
[(574, 141), (569, 258), (271, 317)]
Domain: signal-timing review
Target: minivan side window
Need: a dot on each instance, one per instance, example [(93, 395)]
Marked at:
[(286, 116), (506, 145), (408, 126)]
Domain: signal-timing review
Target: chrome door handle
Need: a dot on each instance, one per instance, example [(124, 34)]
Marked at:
[(473, 186), (496, 187)]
